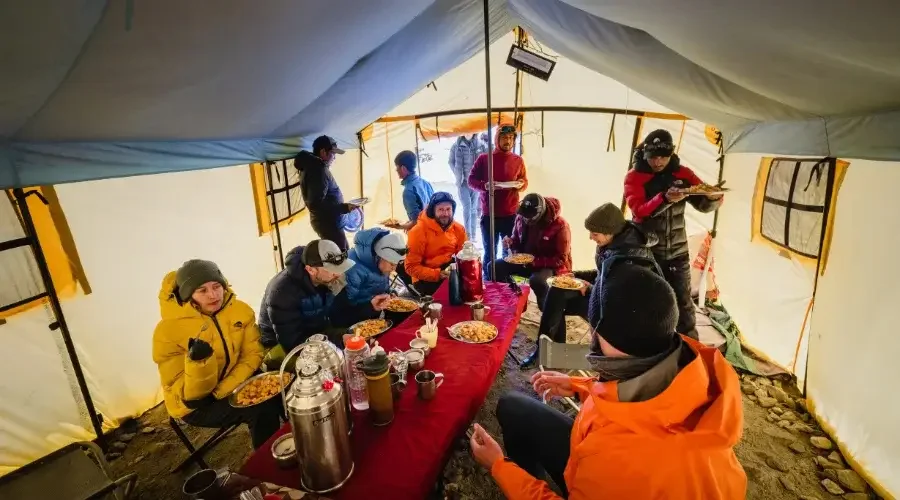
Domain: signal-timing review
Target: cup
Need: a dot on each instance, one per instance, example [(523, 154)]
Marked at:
[(428, 382), (430, 335), (479, 311), (421, 344), (435, 311), (416, 359), (424, 302), (397, 386), (204, 484)]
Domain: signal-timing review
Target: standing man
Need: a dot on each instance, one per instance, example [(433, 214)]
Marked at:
[(509, 173), (321, 194), (416, 190), (462, 158), (653, 193)]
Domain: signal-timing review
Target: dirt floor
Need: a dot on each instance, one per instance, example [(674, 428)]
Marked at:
[(783, 452)]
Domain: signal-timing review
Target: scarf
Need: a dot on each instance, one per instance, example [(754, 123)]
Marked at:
[(626, 367)]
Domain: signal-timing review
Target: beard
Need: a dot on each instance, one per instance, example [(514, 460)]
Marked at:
[(444, 221)]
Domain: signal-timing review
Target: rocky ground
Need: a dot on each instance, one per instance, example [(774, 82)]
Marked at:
[(784, 453)]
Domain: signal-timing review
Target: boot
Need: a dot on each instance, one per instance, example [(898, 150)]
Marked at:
[(531, 360)]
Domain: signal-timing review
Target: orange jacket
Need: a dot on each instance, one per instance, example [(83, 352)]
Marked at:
[(677, 446), (430, 247)]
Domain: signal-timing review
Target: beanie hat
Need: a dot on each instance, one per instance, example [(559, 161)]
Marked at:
[(658, 143), (406, 159), (391, 247), (193, 274), (605, 219), (533, 207), (634, 309), (438, 198)]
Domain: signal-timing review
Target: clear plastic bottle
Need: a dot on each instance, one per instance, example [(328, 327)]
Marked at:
[(355, 349)]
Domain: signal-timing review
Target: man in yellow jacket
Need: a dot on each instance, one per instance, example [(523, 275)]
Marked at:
[(205, 345)]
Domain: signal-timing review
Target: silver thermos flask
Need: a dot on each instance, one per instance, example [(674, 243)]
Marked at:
[(320, 424), (319, 350)]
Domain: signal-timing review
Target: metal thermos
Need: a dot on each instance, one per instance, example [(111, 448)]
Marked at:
[(319, 350), (320, 424)]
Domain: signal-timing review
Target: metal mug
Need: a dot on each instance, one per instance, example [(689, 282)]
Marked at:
[(428, 382), (416, 359), (424, 302), (420, 344), (205, 483), (435, 311), (397, 386), (479, 311)]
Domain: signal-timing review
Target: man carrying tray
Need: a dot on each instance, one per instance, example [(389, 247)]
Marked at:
[(654, 193)]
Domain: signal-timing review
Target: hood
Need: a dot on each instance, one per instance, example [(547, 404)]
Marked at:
[(363, 251), (430, 224), (437, 198), (306, 160), (633, 236), (552, 212), (640, 164), (171, 308), (702, 405)]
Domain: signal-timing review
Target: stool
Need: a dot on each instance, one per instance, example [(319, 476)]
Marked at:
[(196, 455)]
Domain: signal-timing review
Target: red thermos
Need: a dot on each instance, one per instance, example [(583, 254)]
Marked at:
[(469, 261)]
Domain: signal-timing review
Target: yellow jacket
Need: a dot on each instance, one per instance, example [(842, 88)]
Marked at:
[(232, 333)]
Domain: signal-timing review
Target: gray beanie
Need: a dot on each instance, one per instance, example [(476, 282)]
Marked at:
[(193, 274), (605, 219)]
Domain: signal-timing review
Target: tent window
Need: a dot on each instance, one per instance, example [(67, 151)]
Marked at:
[(795, 204), (21, 286), (276, 190)]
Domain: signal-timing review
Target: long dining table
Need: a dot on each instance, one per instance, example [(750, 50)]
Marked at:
[(404, 459)]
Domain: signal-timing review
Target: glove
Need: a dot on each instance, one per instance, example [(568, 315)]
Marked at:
[(198, 350)]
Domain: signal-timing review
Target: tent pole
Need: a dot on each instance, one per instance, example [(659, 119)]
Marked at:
[(517, 97), (359, 137), (275, 211), (534, 109), (721, 160), (490, 155), (55, 305), (635, 138)]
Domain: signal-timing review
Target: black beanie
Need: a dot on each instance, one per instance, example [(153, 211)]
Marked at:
[(634, 310), (658, 143), (437, 198)]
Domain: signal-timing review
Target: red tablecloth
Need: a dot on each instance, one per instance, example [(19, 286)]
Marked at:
[(403, 460)]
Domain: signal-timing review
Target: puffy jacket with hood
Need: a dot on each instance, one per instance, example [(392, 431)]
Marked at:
[(508, 167), (676, 445), (549, 240), (364, 280), (293, 308), (645, 193), (233, 335), (430, 246), (321, 193)]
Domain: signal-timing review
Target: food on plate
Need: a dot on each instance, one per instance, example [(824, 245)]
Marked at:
[(567, 282), (520, 258), (476, 331), (261, 389), (397, 304), (390, 222), (370, 327), (702, 189)]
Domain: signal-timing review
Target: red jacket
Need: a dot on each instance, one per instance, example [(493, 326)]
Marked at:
[(507, 167), (550, 240)]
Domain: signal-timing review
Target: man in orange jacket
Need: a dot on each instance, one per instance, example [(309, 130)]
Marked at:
[(433, 242), (661, 421)]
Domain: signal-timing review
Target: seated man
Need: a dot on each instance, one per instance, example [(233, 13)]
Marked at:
[(541, 231), (298, 302), (376, 253), (205, 345), (433, 242), (677, 443), (617, 241)]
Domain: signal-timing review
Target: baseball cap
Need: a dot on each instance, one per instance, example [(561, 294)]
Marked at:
[(391, 248), (326, 254), (532, 207), (326, 142)]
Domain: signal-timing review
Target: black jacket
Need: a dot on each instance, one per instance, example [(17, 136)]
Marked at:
[(631, 245), (321, 193)]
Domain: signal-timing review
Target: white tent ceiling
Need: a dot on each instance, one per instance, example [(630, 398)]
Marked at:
[(96, 88)]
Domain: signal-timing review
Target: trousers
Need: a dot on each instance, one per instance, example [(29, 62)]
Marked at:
[(537, 278), (503, 226), (262, 420), (330, 230), (471, 206), (561, 303), (677, 272)]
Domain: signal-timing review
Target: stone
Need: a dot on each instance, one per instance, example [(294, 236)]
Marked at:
[(821, 442), (824, 463), (852, 481), (752, 398), (797, 447), (835, 457), (126, 438), (766, 402), (777, 410), (748, 388), (760, 393), (805, 417), (808, 497), (789, 416), (118, 445), (801, 427), (148, 430), (832, 487), (763, 381), (777, 463), (784, 424), (856, 496), (777, 383), (112, 456), (138, 460), (788, 484)]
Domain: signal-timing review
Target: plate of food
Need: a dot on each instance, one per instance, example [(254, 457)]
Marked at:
[(704, 190), (258, 389), (358, 202), (507, 184), (390, 222), (401, 305), (473, 332), (566, 282), (519, 258), (371, 328)]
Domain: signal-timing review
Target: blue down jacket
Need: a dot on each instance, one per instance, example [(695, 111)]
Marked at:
[(293, 308), (364, 280)]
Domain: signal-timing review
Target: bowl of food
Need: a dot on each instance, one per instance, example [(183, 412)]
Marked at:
[(371, 328), (567, 282), (401, 305), (284, 451), (259, 389)]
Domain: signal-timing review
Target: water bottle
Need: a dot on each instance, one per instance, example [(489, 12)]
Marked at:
[(356, 349), (455, 291)]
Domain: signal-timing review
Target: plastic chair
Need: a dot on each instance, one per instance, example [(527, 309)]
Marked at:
[(196, 455)]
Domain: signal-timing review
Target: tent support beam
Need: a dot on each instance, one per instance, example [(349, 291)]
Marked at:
[(275, 213), (60, 324), (534, 109), (490, 155), (721, 160), (635, 139)]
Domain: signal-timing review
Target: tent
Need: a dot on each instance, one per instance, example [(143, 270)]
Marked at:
[(111, 90)]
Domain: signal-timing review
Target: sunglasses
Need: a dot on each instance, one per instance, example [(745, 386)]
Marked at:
[(335, 259), (508, 129), (400, 251)]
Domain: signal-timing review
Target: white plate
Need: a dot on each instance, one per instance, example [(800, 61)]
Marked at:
[(551, 279), (452, 330), (358, 202), (507, 184)]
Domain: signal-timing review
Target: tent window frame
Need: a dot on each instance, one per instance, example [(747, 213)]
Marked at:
[(262, 176), (779, 165)]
